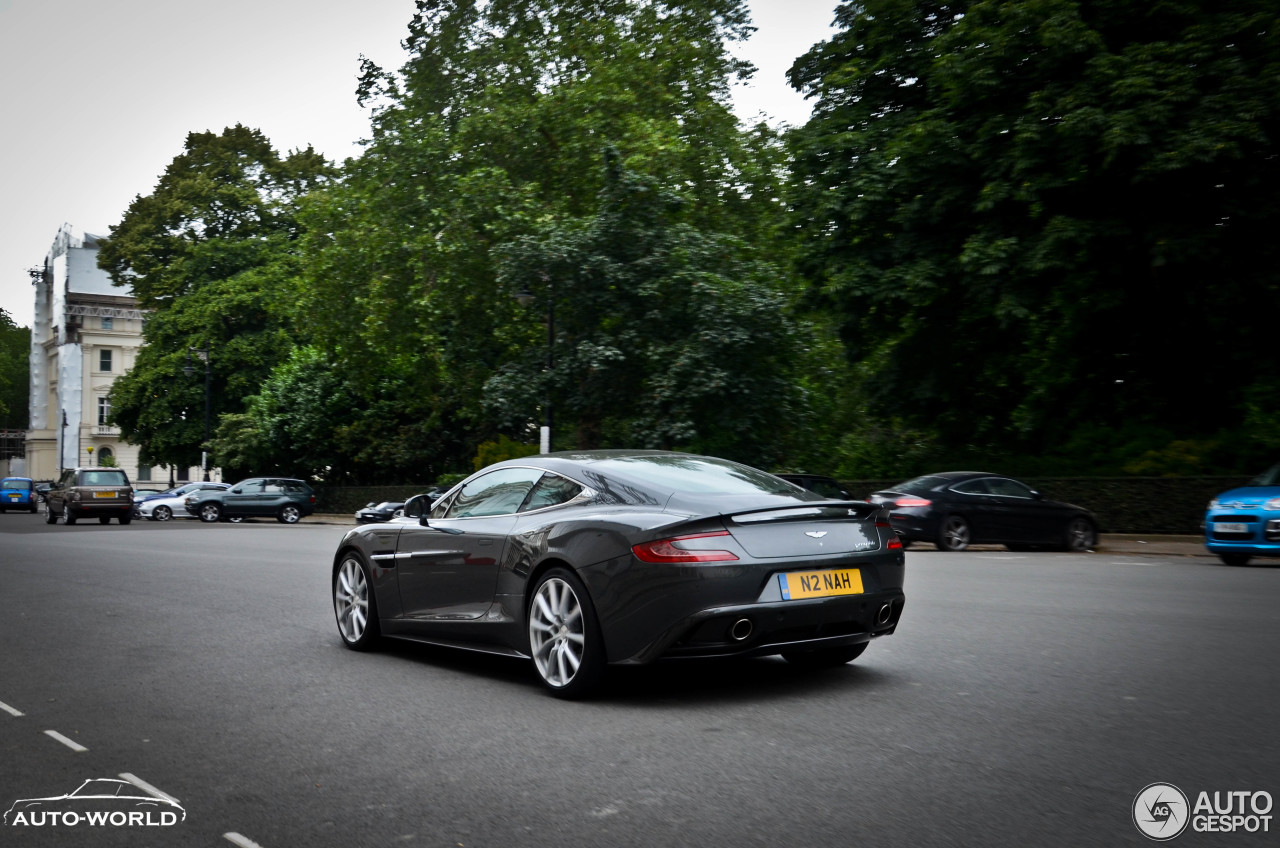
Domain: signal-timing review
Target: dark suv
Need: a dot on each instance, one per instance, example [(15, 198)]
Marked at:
[(101, 493), (285, 499)]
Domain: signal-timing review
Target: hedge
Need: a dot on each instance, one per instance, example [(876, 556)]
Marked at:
[(1122, 504)]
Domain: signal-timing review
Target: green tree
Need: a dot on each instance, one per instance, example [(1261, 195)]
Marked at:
[(15, 371), (212, 255), (665, 336), (1032, 216), (493, 130)]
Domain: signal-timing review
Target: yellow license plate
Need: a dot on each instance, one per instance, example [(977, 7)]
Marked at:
[(104, 494), (820, 584)]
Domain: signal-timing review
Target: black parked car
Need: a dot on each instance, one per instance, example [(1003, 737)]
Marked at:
[(282, 498), (384, 511), (579, 560), (956, 509)]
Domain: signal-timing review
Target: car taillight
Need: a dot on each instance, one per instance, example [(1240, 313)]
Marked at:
[(912, 502), (895, 541), (313, 499), (683, 549)]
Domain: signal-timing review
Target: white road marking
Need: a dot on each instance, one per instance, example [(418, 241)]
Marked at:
[(147, 787), (242, 841), (10, 710), (70, 743)]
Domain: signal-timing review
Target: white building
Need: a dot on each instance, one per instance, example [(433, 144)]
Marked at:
[(86, 333)]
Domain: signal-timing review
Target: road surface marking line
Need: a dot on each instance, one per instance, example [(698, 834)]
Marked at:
[(70, 743), (10, 710), (147, 787), (242, 841)]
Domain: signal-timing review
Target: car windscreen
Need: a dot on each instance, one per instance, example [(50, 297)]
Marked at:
[(919, 485), (1270, 477), (104, 478), (16, 484), (695, 474)]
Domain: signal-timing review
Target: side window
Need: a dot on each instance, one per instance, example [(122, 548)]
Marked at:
[(273, 487), (497, 493), (551, 490), (1008, 488), (972, 487), (252, 487)]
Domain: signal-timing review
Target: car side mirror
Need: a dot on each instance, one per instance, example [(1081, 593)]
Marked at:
[(236, 491), (1036, 495), (424, 521)]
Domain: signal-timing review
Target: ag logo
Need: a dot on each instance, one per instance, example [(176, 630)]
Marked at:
[(1161, 811)]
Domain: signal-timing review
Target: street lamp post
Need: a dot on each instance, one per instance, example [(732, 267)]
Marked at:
[(526, 298), (203, 353)]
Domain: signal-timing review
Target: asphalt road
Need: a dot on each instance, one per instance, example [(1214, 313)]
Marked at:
[(1025, 701)]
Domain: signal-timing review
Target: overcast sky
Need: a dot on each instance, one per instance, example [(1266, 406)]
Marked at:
[(98, 97)]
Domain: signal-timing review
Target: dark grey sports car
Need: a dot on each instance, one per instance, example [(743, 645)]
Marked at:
[(581, 560)]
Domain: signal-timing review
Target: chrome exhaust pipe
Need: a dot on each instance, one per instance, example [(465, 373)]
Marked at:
[(741, 629), (884, 614)]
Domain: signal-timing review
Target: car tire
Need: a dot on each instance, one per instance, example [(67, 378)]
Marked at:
[(825, 657), (161, 513), (954, 534), (210, 513), (104, 519), (354, 604), (1234, 559), (235, 519), (564, 635), (33, 509), (126, 519), (50, 517), (1081, 535), (289, 514), (66, 517)]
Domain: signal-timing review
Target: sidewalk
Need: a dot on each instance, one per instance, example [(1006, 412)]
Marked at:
[(1153, 544)]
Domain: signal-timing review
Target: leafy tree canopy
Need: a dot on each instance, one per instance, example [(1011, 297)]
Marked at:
[(665, 336), (15, 370), (1035, 215), (492, 131), (212, 254)]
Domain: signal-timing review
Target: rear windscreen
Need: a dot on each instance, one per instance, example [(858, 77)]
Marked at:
[(919, 485), (696, 474), (104, 478)]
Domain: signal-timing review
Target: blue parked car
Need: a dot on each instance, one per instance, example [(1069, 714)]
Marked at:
[(1244, 523), (18, 493)]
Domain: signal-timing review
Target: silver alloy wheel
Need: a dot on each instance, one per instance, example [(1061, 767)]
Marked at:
[(1079, 535), (162, 513), (955, 533), (209, 513), (556, 632), (290, 514), (351, 600)]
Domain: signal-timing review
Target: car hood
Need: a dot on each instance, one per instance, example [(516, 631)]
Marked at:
[(1248, 495)]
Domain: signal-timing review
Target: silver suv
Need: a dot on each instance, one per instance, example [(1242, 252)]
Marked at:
[(101, 493)]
